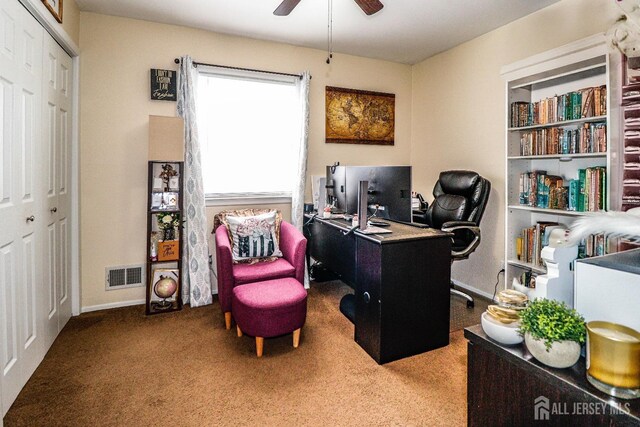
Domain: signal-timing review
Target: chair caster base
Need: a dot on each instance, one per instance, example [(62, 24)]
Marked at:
[(469, 298)]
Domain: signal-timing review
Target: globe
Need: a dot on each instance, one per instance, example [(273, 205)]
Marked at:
[(165, 288)]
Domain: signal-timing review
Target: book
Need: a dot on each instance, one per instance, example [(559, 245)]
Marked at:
[(587, 102), (574, 194), (576, 102), (541, 227), (581, 190)]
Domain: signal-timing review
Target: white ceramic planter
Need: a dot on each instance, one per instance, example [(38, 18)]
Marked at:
[(562, 354)]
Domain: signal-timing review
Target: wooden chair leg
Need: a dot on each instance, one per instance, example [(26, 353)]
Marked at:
[(296, 338), (259, 346), (227, 320), (239, 331)]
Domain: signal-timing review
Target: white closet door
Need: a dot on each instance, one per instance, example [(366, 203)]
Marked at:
[(21, 201), (56, 116)]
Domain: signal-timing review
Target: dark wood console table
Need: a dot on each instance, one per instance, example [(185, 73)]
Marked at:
[(401, 282), (507, 387)]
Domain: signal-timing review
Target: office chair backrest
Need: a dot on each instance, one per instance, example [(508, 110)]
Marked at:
[(458, 196)]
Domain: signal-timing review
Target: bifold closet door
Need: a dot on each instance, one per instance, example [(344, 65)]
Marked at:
[(56, 119), (21, 198)]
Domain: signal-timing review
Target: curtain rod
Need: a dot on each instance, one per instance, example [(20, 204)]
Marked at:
[(195, 64)]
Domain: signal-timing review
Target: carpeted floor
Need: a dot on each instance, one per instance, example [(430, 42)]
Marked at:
[(121, 368)]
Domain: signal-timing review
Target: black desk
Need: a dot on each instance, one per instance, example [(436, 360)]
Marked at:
[(401, 282), (504, 383)]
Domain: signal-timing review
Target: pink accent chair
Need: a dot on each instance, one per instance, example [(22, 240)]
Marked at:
[(293, 246)]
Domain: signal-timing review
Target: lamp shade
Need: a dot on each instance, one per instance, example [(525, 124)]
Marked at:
[(166, 138)]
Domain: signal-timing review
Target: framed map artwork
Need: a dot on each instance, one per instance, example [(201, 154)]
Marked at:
[(359, 117), (55, 7)]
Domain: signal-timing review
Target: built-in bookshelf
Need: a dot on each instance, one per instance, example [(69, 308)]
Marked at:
[(631, 130), (558, 149)]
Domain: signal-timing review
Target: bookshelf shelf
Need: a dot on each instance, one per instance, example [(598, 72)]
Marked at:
[(572, 81), (560, 124), (527, 266), (548, 211), (560, 157), (599, 66)]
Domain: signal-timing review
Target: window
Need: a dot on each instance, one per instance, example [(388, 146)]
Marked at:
[(249, 128)]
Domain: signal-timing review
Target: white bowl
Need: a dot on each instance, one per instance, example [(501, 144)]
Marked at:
[(506, 334)]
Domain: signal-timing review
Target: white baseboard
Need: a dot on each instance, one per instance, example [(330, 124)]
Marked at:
[(472, 289), (89, 308)]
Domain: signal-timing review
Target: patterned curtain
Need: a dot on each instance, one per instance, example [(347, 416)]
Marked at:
[(297, 195), (196, 284)]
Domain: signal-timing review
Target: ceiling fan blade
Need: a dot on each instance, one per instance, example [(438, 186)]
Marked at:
[(369, 6), (286, 7)]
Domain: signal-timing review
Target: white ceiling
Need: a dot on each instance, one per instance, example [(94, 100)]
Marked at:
[(405, 31)]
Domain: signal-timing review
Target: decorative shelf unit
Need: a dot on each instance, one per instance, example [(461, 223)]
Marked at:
[(555, 138), (164, 236), (630, 105)]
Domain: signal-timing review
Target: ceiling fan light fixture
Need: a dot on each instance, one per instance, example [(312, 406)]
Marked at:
[(286, 7), (369, 7)]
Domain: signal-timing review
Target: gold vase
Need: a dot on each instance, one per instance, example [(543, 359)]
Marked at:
[(613, 359)]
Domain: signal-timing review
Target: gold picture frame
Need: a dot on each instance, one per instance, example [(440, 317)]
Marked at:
[(359, 117), (55, 7)]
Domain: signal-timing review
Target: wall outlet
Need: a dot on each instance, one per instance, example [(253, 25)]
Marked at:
[(502, 265)]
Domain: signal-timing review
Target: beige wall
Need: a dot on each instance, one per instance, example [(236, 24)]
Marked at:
[(458, 113), (450, 113), (71, 20), (116, 55)]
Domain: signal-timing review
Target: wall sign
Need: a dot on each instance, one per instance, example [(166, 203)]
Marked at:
[(163, 85)]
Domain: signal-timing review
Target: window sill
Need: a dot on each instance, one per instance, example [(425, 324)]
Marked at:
[(246, 200)]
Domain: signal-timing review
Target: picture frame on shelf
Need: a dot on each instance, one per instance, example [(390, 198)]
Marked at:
[(164, 289), (55, 7), (157, 184), (157, 199), (170, 200), (173, 183), (168, 250)]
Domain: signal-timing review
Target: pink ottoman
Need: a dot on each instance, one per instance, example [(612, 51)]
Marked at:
[(269, 309)]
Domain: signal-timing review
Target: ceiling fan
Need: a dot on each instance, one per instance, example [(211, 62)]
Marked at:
[(368, 6)]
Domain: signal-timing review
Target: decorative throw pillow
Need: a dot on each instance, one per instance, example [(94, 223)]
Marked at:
[(253, 237)]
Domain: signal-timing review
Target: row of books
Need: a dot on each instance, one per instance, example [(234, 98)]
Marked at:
[(588, 102), (587, 193), (531, 241), (537, 189), (597, 245), (588, 138)]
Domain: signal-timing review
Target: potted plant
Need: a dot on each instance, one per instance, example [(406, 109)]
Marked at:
[(553, 333)]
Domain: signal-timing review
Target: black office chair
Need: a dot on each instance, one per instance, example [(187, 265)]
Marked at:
[(460, 198)]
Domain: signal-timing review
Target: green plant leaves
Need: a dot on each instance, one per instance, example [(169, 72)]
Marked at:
[(552, 321)]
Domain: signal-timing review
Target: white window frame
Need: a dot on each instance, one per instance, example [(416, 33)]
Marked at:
[(246, 198)]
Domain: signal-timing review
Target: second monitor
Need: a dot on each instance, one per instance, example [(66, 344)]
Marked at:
[(389, 188)]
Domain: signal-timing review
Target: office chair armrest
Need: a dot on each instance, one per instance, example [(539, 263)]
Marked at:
[(453, 226), (424, 205)]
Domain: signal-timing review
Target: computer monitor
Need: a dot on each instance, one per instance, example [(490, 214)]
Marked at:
[(389, 188)]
